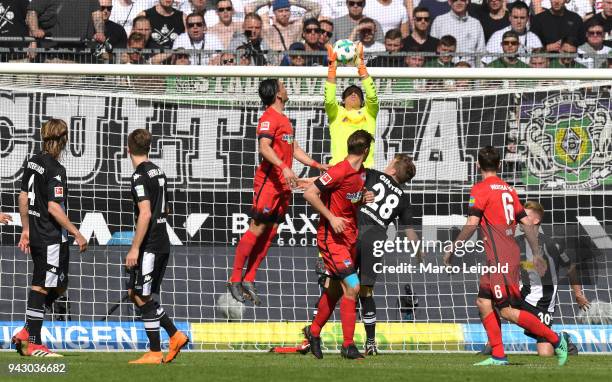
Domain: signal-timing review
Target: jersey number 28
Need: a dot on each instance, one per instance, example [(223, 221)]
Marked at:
[(386, 209)]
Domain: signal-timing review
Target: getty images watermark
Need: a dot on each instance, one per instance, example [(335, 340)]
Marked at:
[(412, 248)]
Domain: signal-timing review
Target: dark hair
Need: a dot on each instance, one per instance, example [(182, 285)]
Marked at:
[(404, 168), (136, 37), (253, 15), (420, 9), (592, 22), (139, 142), (392, 34), (447, 40), (196, 14), (268, 89), (311, 21), (510, 33), (138, 19), (519, 5), (488, 158), (571, 40), (367, 20), (359, 142), (352, 89)]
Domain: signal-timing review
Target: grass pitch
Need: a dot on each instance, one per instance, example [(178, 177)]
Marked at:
[(247, 367)]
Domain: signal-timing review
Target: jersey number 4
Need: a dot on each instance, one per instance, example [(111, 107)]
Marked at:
[(31, 193), (508, 203), (386, 208)]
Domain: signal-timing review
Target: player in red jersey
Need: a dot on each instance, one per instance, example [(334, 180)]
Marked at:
[(496, 208), (273, 182), (337, 195)]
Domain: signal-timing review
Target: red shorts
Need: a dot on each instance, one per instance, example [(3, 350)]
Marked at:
[(270, 204), (502, 288), (339, 259)]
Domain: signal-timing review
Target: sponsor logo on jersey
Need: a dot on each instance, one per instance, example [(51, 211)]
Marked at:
[(58, 178), (266, 210), (140, 190), (136, 176), (325, 178), (147, 278), (264, 126), (288, 138), (59, 192), (347, 262), (354, 197), (53, 270), (472, 201)]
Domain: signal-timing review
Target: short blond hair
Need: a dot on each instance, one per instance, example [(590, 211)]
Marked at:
[(535, 207)]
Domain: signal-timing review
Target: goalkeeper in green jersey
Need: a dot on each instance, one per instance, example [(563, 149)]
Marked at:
[(354, 113)]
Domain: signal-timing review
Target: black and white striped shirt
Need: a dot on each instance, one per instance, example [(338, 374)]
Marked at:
[(541, 291)]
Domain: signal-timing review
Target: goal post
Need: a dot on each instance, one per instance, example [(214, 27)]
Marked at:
[(552, 126)]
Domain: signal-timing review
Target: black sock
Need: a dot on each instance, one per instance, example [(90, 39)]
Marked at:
[(151, 324), (368, 316), (35, 314), (51, 297), (165, 321)]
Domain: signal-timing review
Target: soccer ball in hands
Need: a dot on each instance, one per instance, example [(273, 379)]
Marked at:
[(345, 51), (229, 308)]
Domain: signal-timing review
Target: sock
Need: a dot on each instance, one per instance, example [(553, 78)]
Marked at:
[(259, 253), (151, 324), (243, 251), (164, 320), (531, 323), (52, 295), (35, 314), (368, 316), (491, 324), (348, 317), (324, 311)]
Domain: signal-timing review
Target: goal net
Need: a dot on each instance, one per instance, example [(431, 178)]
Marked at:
[(555, 136)]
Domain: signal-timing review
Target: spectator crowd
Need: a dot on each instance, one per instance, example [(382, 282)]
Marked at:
[(394, 33)]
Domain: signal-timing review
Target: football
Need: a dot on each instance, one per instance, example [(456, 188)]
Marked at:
[(345, 51), (229, 308)]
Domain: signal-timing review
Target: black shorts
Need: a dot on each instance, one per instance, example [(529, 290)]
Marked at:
[(146, 277), (543, 315), (51, 265), (366, 261)]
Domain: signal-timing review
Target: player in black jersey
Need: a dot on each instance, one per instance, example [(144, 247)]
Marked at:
[(390, 203), (540, 292), (148, 256), (44, 235)]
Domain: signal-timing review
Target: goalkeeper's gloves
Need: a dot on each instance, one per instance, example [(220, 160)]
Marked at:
[(331, 62), (361, 68)]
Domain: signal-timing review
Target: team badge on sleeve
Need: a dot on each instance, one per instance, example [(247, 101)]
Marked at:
[(265, 126), (472, 201), (140, 190), (59, 192), (325, 178)]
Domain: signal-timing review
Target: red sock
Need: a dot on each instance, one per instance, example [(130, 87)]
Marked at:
[(259, 253), (530, 322), (348, 316), (325, 309), (243, 250), (492, 326)]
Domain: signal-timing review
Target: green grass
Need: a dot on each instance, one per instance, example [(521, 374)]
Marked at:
[(247, 367)]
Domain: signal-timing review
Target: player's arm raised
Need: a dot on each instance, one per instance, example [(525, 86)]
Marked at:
[(266, 150), (371, 97), (304, 158), (313, 196), (142, 225)]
